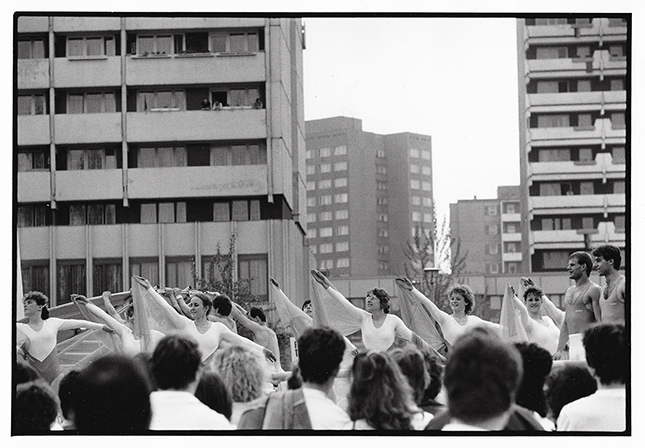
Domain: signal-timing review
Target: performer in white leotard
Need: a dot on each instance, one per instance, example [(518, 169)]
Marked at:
[(462, 302), (36, 339), (541, 330), (208, 335)]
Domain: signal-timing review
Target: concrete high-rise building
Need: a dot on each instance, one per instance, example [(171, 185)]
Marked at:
[(366, 193), (573, 114), (487, 232), (144, 143)]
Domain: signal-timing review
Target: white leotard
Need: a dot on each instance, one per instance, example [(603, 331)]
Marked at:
[(383, 337), (452, 329), (546, 336), (209, 341)]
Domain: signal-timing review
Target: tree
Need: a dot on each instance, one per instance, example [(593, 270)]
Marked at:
[(434, 248)]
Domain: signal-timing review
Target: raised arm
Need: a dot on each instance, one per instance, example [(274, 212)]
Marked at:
[(235, 339), (177, 319), (178, 302), (75, 324), (245, 321), (106, 296), (524, 313), (563, 340), (352, 312), (553, 311), (110, 321), (437, 314)]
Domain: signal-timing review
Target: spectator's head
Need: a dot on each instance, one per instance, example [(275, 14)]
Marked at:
[(320, 352), (175, 363), (606, 352), (536, 363), (35, 408), (35, 302), (581, 258), (307, 307), (242, 371), (412, 365), (466, 295), (257, 314), (481, 378), (25, 373), (435, 370), (379, 393), (566, 384), (222, 305), (144, 361), (382, 296), (295, 380), (609, 254), (212, 391), (113, 398), (68, 393)]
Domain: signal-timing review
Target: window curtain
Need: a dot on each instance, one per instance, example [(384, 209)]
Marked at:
[(71, 280)]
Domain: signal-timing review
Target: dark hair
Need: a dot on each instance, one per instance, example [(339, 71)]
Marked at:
[(144, 361), (566, 384), (40, 299), (435, 369), (258, 312), (175, 362), (213, 393), (25, 373), (383, 298), (533, 290), (412, 365), (223, 305), (35, 408), (113, 398), (295, 380), (606, 352), (307, 302), (467, 294), (379, 393), (608, 252), (583, 258), (320, 352), (206, 301), (482, 376), (68, 393), (536, 363)]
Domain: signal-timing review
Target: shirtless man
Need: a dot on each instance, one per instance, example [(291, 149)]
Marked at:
[(257, 323), (612, 304), (581, 306), (222, 308)]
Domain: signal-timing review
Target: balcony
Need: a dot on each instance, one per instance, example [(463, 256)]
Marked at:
[(99, 71), (197, 181), (610, 203), (33, 130), (512, 256), (71, 242), (564, 30), (175, 238), (602, 131), (27, 24), (576, 101), (93, 24), (603, 166), (30, 235), (34, 186), (33, 74), (557, 67), (605, 234), (511, 217), (176, 23), (106, 241), (205, 68), (89, 185), (88, 128), (143, 240), (171, 125), (511, 237)]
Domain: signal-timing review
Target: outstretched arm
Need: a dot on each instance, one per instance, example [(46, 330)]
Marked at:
[(244, 320), (106, 296), (74, 324), (178, 301), (235, 339), (121, 329), (352, 312), (437, 314), (524, 314), (553, 311), (562, 341), (178, 320)]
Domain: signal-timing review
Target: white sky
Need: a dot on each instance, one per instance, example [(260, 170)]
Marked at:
[(454, 79)]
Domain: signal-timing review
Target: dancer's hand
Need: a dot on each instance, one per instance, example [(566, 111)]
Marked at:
[(272, 280), (268, 354), (527, 282), (143, 281), (320, 278), (404, 283), (80, 299)]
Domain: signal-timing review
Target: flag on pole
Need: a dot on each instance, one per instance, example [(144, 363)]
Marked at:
[(510, 321)]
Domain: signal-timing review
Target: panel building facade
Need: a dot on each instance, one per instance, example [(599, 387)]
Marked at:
[(366, 193), (574, 118), (144, 143)]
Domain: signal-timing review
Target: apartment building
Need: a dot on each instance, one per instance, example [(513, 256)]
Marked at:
[(144, 143), (574, 139), (366, 194)]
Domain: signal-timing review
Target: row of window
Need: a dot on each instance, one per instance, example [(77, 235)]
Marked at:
[(546, 21), (575, 222), (617, 50), (142, 100), (509, 248), (416, 185), (416, 217), (326, 199), (196, 210), (326, 167), (108, 274), (327, 216), (330, 264), (507, 227), (328, 248), (425, 170), (159, 156), (575, 154), (418, 200), (571, 188), (577, 119), (326, 152), (416, 153), (576, 85), (510, 267), (143, 44), (339, 182), (324, 232)]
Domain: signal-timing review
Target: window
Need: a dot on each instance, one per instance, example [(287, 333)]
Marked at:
[(617, 84), (147, 268), (342, 230), (325, 216), (415, 200), (617, 21), (550, 21), (382, 217), (311, 202), (108, 276), (510, 227), (33, 159), (311, 185), (381, 201), (583, 51), (324, 200), (381, 169), (553, 121), (511, 267), (236, 42), (311, 217), (585, 155), (511, 247), (325, 168), (619, 187), (416, 216), (238, 96), (556, 224), (554, 155), (32, 48), (35, 276), (326, 264), (93, 214), (427, 202), (586, 188), (325, 152), (427, 217), (342, 263), (619, 221), (324, 184), (616, 51), (340, 198), (584, 85), (555, 259), (340, 182), (492, 249), (414, 152), (383, 233), (91, 46), (312, 233), (492, 229), (161, 100), (340, 166), (179, 272), (426, 186), (588, 222), (164, 212), (493, 268), (325, 248), (414, 169), (555, 189), (425, 155), (551, 52), (71, 279), (325, 232), (415, 184), (341, 214), (618, 120), (32, 215), (383, 265), (618, 154), (342, 246), (221, 212), (155, 44), (380, 153), (311, 169), (381, 185), (340, 150), (383, 250), (510, 207), (33, 104), (161, 157), (547, 87), (426, 171), (90, 159), (310, 154), (91, 102), (585, 120), (240, 211)]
